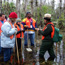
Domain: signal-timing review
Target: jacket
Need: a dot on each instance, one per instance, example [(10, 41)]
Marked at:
[(31, 23), (48, 32), (7, 31)]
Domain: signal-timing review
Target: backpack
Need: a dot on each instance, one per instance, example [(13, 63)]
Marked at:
[(57, 37)]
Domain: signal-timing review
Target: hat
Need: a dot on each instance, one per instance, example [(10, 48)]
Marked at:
[(47, 17), (18, 20), (13, 15)]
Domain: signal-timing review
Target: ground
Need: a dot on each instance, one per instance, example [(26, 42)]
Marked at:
[(32, 58)]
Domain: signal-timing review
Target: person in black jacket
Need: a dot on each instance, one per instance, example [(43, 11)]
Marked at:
[(47, 38)]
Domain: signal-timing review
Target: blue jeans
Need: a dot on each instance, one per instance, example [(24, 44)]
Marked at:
[(31, 37), (7, 53), (0, 45)]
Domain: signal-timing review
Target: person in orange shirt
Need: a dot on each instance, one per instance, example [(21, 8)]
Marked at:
[(29, 25), (20, 29)]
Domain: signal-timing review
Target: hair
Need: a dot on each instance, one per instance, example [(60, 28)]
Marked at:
[(6, 17), (27, 14), (1, 14), (48, 19)]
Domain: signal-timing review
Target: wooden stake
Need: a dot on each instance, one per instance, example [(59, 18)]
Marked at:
[(17, 51)]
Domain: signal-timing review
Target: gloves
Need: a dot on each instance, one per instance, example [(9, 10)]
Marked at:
[(16, 30), (26, 26)]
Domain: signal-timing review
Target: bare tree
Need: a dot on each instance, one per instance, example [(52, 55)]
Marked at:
[(40, 13), (18, 7), (4, 1), (60, 8), (36, 5), (53, 4), (25, 6), (53, 1), (0, 6), (64, 8), (32, 7)]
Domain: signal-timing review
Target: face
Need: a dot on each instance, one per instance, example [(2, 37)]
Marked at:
[(13, 20), (18, 23), (45, 22), (3, 17), (29, 15)]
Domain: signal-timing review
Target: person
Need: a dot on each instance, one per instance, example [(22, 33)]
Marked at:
[(20, 29), (19, 36), (29, 25), (8, 36), (5, 19), (2, 17), (47, 39)]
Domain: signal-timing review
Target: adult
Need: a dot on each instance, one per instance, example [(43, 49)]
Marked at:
[(47, 38), (8, 36), (29, 25)]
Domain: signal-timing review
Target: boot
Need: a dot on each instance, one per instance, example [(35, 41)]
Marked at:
[(50, 59)]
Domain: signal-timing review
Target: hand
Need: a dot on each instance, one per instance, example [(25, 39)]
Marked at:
[(16, 30), (37, 29), (41, 29), (22, 29), (26, 26)]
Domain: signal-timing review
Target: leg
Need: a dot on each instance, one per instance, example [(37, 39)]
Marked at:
[(43, 49), (7, 54), (32, 38), (0, 45), (51, 53), (25, 39), (19, 43)]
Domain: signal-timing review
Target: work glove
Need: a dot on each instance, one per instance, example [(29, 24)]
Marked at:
[(16, 30), (26, 26)]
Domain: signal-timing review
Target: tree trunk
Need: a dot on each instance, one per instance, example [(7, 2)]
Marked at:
[(40, 13), (60, 8), (64, 8), (18, 8), (4, 1), (32, 7), (25, 6), (0, 6), (53, 7), (36, 4)]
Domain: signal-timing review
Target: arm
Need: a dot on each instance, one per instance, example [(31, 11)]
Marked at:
[(47, 31), (20, 31), (7, 30)]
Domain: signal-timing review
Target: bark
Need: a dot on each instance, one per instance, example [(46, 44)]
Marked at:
[(64, 8), (25, 6), (18, 7), (40, 13), (0, 6), (36, 5), (60, 8), (32, 7)]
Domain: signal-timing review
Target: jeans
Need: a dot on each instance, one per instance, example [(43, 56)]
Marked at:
[(0, 45), (31, 37), (7, 53)]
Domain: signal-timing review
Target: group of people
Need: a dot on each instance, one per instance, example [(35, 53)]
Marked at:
[(15, 27)]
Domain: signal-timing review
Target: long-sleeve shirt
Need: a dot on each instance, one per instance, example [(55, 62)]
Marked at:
[(31, 21), (47, 33)]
